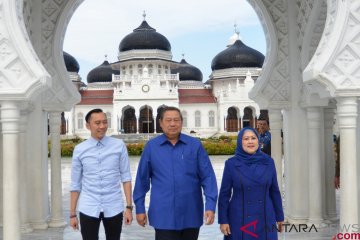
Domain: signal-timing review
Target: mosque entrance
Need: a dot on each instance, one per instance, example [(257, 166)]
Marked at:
[(129, 121), (232, 124), (248, 119), (146, 121)]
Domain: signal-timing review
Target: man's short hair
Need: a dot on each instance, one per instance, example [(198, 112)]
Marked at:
[(165, 109), (88, 115), (263, 119)]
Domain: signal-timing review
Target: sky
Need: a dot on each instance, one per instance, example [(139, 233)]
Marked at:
[(199, 29)]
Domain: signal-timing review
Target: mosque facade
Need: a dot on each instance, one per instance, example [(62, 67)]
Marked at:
[(134, 90)]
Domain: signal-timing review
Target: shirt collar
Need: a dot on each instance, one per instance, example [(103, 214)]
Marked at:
[(163, 139), (102, 141)]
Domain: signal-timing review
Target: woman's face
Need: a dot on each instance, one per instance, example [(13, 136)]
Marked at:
[(250, 142)]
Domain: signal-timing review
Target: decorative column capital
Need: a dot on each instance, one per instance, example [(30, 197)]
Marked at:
[(314, 117), (10, 117), (275, 119), (347, 112)]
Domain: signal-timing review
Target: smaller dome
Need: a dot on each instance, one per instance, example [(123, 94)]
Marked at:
[(238, 55), (187, 72), (102, 73), (70, 62)]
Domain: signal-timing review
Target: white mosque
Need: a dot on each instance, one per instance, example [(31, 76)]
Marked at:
[(311, 72), (133, 90)]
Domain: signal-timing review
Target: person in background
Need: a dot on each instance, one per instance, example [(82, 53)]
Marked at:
[(99, 166), (249, 195), (264, 135), (178, 170)]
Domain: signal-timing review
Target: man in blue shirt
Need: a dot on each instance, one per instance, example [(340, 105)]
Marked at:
[(99, 166), (264, 135), (178, 168)]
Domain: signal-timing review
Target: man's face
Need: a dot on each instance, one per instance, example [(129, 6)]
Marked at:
[(262, 126), (97, 125), (171, 124)]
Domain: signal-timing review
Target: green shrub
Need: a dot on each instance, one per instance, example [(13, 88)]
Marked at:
[(135, 149), (219, 148)]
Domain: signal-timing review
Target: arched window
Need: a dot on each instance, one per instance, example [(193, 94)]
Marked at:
[(80, 121), (150, 67), (140, 69), (197, 119), (159, 69), (108, 116), (184, 115), (166, 69), (123, 70), (211, 119), (131, 70)]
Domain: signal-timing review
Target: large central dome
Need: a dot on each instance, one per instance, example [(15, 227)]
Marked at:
[(144, 37)]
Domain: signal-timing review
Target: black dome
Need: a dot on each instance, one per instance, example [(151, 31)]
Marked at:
[(102, 73), (144, 37), (70, 62), (238, 55), (187, 72)]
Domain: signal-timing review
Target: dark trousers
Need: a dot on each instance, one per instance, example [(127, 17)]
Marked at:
[(90, 226), (185, 234)]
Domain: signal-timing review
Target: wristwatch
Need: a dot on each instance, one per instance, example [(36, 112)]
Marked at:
[(130, 207)]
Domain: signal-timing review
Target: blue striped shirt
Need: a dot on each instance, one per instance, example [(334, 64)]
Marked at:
[(98, 169)]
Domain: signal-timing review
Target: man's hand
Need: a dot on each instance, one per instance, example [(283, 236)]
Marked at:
[(225, 229), (337, 182), (128, 217), (209, 217), (280, 226), (141, 219), (74, 223)]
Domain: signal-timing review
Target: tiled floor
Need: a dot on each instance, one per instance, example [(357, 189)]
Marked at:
[(135, 232)]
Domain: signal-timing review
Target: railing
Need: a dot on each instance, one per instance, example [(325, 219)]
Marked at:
[(139, 78)]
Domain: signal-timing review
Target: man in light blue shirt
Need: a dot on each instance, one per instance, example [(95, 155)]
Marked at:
[(178, 169), (99, 166)]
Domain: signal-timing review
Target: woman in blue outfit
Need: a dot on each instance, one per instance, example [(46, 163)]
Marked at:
[(250, 205)]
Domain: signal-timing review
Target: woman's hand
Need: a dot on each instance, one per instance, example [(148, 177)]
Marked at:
[(280, 226), (225, 229)]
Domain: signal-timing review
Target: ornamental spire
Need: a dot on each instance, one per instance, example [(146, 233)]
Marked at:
[(144, 15)]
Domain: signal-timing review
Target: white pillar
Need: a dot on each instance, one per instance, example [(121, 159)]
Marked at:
[(10, 116), (23, 164), (57, 219), (225, 127), (137, 123), (330, 200), (314, 116), (275, 119), (347, 117)]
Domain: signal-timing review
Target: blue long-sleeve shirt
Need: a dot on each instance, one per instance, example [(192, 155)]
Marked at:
[(177, 174), (98, 169)]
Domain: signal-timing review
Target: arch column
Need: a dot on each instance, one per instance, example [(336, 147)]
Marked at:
[(330, 199), (314, 117), (275, 118), (10, 117), (137, 123), (23, 166), (347, 117), (57, 219)]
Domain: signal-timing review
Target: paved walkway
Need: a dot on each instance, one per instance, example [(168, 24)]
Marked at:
[(135, 232)]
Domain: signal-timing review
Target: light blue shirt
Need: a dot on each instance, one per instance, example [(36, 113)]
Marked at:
[(98, 169)]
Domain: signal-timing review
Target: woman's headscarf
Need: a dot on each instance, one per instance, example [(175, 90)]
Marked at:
[(249, 159)]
